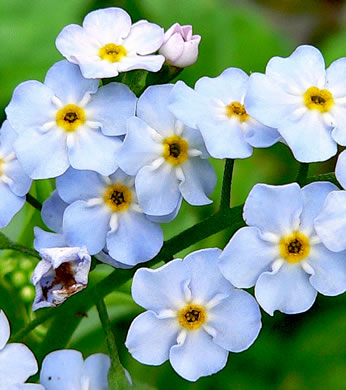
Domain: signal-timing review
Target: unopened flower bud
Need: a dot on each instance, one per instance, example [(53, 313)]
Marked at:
[(180, 47)]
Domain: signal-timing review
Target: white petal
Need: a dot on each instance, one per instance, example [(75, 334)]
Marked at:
[(149, 338), (4, 329), (340, 169), (144, 38), (336, 78), (197, 356), (96, 368), (287, 290)]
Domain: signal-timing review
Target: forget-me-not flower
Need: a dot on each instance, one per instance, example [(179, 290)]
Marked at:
[(103, 212), (194, 318), (304, 101), (108, 44), (17, 362), (66, 369), (168, 158), (14, 183), (280, 252), (216, 108), (69, 121)]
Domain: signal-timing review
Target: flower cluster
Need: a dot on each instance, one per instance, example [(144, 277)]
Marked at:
[(124, 160)]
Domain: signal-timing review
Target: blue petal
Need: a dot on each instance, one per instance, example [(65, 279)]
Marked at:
[(166, 218), (149, 338), (162, 288), (80, 221), (136, 239), (274, 209), (229, 87), (259, 135), (45, 239), (197, 356), (157, 190), (340, 169), (112, 105), (94, 151), (336, 78), (67, 82), (329, 277), (330, 225), (31, 106), (21, 181), (52, 212), (42, 155), (152, 108), (10, 204), (139, 148), (200, 180), (287, 290), (206, 278), (79, 185), (246, 257), (314, 196), (7, 138), (236, 320), (96, 368)]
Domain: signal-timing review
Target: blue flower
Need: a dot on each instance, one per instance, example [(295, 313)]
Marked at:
[(330, 224), (168, 158), (216, 108), (14, 183), (66, 369), (280, 252), (194, 316), (108, 44), (68, 121), (103, 212), (303, 101)]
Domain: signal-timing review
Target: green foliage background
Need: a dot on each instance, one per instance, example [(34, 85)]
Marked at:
[(297, 352)]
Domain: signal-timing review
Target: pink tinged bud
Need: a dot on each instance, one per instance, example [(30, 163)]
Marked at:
[(180, 47), (61, 273)]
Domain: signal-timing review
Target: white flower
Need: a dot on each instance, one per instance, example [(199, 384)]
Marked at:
[(194, 316), (108, 44), (17, 362), (280, 252), (180, 47), (66, 370), (305, 102)]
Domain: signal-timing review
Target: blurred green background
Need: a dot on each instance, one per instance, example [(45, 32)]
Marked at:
[(297, 352)]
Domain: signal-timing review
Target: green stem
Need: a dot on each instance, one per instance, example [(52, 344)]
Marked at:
[(302, 173), (116, 376), (34, 202), (226, 185)]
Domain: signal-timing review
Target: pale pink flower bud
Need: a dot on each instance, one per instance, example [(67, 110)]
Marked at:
[(180, 47)]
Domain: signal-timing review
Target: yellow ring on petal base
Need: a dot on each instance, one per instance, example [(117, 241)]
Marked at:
[(192, 316), (318, 99), (175, 150), (237, 109), (295, 247), (112, 52), (1, 164), (70, 117), (118, 197)]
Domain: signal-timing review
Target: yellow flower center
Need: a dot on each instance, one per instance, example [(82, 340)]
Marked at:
[(118, 197), (295, 247), (238, 110), (175, 150), (192, 316), (1, 166), (318, 99), (112, 52), (70, 117)]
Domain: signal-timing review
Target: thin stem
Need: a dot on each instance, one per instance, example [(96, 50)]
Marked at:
[(116, 375), (33, 202), (302, 173), (226, 185)]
